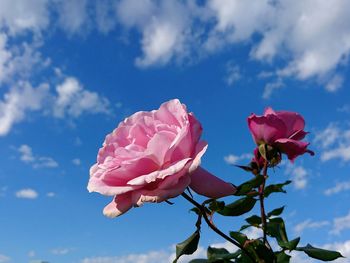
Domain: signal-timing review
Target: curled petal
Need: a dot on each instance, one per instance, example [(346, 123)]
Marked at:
[(293, 148), (207, 184), (142, 196), (120, 204)]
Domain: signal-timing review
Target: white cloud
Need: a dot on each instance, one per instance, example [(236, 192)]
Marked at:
[(298, 174), (18, 101), (21, 15), (335, 142), (36, 161), (339, 187), (233, 24), (73, 100), (105, 15), (27, 193), (328, 136), (4, 259), (76, 161), (342, 247), (272, 87), (233, 73), (234, 159), (165, 28), (301, 35), (61, 251), (26, 153), (31, 253), (340, 224), (73, 15), (335, 83), (308, 224), (45, 162), (22, 61), (150, 257), (342, 152), (5, 55), (50, 194)]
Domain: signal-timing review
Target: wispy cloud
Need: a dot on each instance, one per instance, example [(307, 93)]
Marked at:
[(36, 161), (61, 251), (235, 159), (4, 259), (233, 73), (298, 174), (340, 224), (335, 142), (309, 224), (339, 187), (27, 193), (76, 161), (50, 194)]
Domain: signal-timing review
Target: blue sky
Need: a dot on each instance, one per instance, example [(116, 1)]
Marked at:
[(70, 71)]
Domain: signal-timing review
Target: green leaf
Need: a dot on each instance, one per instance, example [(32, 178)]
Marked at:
[(274, 188), (282, 257), (220, 255), (254, 220), (216, 205), (291, 245), (244, 167), (260, 251), (199, 260), (187, 247), (276, 228), (244, 227), (276, 212), (319, 253), (238, 236), (195, 210), (249, 185), (239, 207)]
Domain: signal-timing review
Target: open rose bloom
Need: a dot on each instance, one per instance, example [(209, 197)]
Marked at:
[(151, 157), (283, 130)]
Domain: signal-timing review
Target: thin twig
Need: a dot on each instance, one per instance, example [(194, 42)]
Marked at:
[(213, 227)]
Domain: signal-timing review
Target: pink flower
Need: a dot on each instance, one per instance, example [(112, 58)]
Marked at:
[(151, 157), (283, 130)]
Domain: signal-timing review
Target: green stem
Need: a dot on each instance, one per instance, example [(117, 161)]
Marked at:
[(262, 207), (214, 228)]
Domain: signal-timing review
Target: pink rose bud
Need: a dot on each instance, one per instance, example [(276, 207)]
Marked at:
[(282, 130), (151, 157)]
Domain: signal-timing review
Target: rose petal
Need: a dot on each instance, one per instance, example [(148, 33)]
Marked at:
[(172, 112), (159, 195), (266, 129), (292, 148), (160, 174), (293, 121), (207, 184), (119, 205)]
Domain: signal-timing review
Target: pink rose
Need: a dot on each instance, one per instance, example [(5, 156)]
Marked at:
[(151, 157), (283, 130)]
